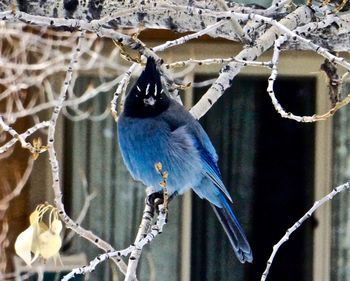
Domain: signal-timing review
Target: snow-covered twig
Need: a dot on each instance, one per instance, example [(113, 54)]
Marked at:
[(16, 135), (270, 89), (295, 226), (76, 24)]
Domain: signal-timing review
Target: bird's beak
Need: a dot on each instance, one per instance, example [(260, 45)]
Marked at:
[(150, 101)]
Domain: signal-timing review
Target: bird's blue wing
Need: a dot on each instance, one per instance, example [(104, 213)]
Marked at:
[(176, 116), (209, 157), (219, 196)]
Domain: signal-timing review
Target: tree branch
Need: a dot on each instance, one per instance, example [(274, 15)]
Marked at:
[(295, 226), (55, 167), (156, 229), (300, 16)]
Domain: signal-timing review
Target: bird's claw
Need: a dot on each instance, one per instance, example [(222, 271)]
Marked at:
[(156, 199)]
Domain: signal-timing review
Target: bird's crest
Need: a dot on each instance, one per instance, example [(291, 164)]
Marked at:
[(147, 97), (149, 84)]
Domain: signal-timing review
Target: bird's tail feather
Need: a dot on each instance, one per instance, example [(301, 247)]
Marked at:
[(234, 231)]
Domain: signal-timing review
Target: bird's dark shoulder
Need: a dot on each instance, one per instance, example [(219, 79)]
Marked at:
[(177, 116)]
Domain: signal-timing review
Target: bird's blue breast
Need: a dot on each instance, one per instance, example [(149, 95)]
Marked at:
[(146, 141)]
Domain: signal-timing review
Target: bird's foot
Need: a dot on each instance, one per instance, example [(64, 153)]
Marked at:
[(156, 199)]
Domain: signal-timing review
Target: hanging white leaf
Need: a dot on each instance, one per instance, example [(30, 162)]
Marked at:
[(23, 244), (49, 244), (56, 226), (40, 240)]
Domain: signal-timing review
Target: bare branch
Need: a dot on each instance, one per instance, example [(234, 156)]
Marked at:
[(300, 16), (155, 230), (55, 166), (145, 224), (295, 226), (23, 136)]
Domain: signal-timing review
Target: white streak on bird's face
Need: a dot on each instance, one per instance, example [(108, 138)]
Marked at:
[(155, 90), (138, 88), (162, 91), (150, 101), (147, 89)]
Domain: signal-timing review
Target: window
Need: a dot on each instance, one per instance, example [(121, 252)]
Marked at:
[(268, 165)]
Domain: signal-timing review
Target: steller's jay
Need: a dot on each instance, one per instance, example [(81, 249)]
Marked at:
[(155, 128)]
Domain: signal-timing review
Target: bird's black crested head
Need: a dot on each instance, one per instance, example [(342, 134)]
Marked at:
[(147, 98)]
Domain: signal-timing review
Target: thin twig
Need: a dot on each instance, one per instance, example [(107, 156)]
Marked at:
[(270, 89), (19, 186), (23, 136), (156, 229), (295, 226), (16, 135), (88, 197), (55, 166), (120, 91), (189, 37)]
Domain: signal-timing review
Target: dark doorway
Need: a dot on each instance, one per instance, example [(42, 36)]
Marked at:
[(267, 164)]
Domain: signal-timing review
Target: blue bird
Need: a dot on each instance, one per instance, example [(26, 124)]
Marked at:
[(155, 128)]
